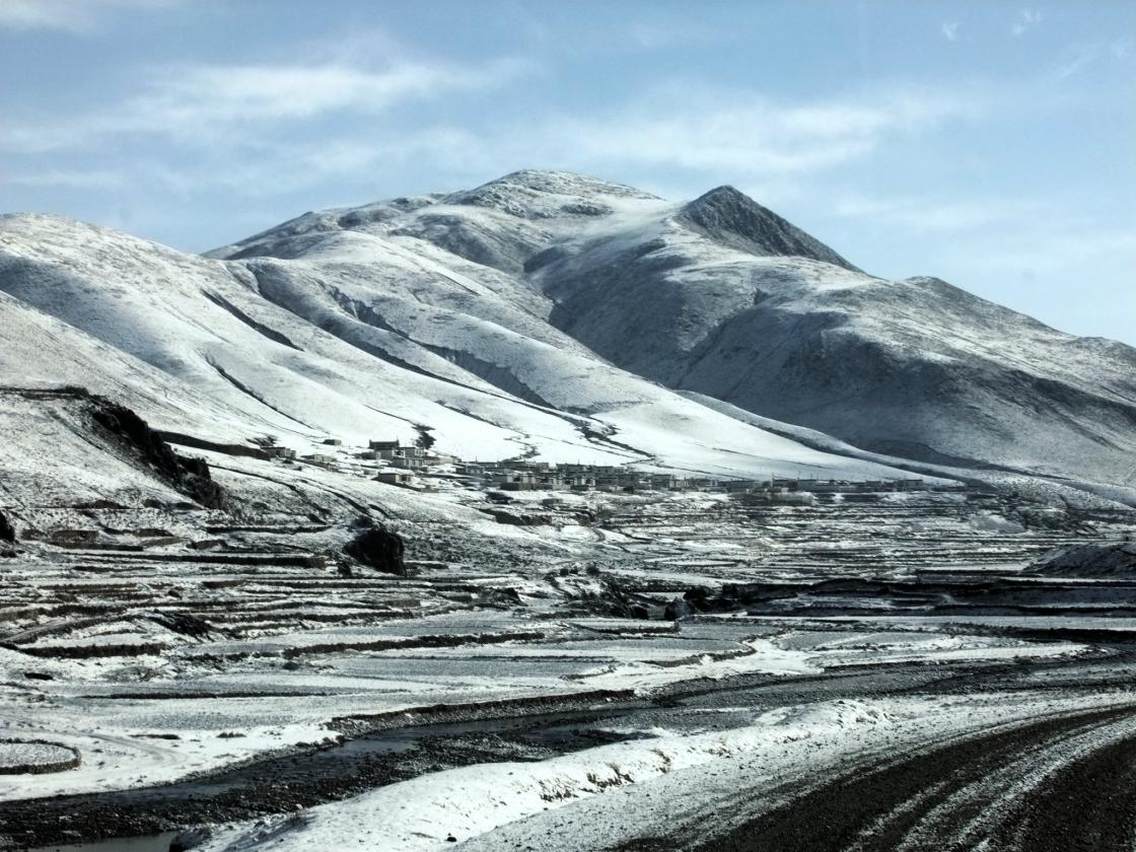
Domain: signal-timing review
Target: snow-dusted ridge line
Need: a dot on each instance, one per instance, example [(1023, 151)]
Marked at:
[(722, 297), (370, 335), (545, 293)]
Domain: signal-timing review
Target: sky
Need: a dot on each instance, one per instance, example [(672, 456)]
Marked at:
[(992, 144)]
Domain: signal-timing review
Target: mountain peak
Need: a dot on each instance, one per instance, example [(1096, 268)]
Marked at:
[(548, 193), (724, 194), (561, 182), (730, 217)]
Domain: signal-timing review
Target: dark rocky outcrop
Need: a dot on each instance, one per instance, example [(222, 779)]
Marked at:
[(189, 475), (616, 599), (183, 623), (734, 219), (7, 531), (191, 838), (520, 519), (1117, 559), (379, 548), (678, 609)]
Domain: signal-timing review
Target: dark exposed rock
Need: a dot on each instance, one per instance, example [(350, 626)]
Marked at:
[(618, 600), (543, 258), (101, 503), (520, 519), (189, 475), (731, 597), (181, 439), (734, 219), (183, 623), (191, 838), (678, 609), (380, 548), (207, 543), (7, 531), (73, 538), (1090, 560)]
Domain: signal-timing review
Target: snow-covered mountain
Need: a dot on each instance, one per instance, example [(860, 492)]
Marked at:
[(777, 324), (363, 336), (551, 315), (723, 297)]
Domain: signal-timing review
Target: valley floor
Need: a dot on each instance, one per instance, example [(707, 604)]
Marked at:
[(591, 671)]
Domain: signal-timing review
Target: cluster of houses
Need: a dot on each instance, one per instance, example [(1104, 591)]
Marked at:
[(402, 463), (805, 492), (542, 476), (839, 486)]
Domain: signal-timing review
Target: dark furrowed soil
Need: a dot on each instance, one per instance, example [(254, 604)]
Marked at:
[(877, 807), (1087, 806)]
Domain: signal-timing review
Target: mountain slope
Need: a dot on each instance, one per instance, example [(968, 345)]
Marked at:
[(723, 297), (365, 335), (915, 368), (545, 314)]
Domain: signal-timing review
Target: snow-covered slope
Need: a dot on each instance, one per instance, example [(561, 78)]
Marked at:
[(545, 314), (361, 335), (723, 297), (915, 368)]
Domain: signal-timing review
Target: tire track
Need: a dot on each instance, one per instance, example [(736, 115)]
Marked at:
[(1010, 789), (1085, 806)]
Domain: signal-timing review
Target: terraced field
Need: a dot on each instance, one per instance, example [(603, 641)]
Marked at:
[(180, 652)]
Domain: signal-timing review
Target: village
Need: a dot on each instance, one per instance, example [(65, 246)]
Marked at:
[(416, 466)]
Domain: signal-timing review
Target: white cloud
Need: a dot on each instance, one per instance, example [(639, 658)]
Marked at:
[(691, 136), (950, 30), (1026, 20), (743, 133), (205, 102), (688, 134), (68, 15), (230, 113), (273, 92)]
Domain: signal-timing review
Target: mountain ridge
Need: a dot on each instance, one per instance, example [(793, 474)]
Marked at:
[(559, 291), (363, 341)]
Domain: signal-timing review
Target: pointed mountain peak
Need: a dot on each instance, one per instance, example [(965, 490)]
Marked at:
[(724, 194), (732, 218)]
